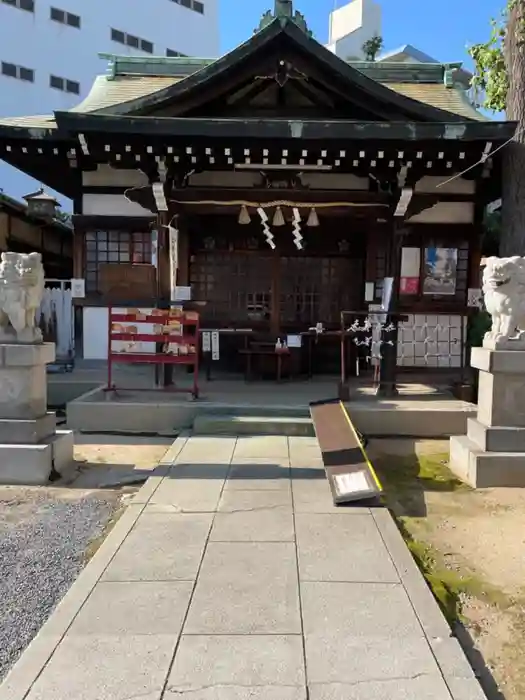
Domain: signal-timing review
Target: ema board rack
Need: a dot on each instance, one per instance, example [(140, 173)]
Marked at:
[(154, 336), (349, 472)]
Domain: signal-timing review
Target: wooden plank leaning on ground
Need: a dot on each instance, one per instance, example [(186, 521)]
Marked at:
[(349, 472)]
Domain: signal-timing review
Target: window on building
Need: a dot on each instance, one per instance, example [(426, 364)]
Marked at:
[(13, 71), (132, 41), (114, 247), (27, 5), (175, 54), (64, 85), (63, 17), (194, 5)]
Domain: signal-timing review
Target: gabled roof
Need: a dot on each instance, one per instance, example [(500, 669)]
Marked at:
[(283, 33), (409, 51)]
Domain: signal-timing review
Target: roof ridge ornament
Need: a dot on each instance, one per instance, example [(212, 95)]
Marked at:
[(283, 10)]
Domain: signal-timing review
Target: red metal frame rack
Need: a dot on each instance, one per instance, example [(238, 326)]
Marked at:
[(179, 347)]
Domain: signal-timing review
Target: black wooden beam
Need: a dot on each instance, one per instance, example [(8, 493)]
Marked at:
[(285, 130)]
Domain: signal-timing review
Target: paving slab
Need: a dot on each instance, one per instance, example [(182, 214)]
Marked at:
[(142, 607), (265, 525), (261, 474), (425, 687), (232, 595), (313, 495), (111, 667), (269, 446), (189, 495), (207, 450), (233, 501), (367, 631), (235, 662), (335, 548), (162, 547), (231, 692)]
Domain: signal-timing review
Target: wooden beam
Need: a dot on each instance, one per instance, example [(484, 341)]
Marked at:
[(194, 194)]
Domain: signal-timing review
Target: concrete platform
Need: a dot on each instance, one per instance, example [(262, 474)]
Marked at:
[(231, 576), (418, 411)]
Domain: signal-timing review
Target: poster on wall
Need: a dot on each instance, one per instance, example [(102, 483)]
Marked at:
[(440, 272), (410, 268)]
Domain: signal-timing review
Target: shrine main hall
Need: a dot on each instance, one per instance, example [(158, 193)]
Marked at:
[(276, 186)]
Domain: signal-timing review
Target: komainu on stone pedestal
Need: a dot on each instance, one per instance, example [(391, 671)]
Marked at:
[(504, 296), (21, 292)]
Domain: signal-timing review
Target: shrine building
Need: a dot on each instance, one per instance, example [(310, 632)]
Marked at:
[(287, 184)]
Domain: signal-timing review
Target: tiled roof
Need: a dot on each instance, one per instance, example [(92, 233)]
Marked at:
[(109, 91), (451, 99), (106, 93)]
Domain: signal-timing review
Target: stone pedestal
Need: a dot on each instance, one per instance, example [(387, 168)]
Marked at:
[(493, 451), (31, 448)]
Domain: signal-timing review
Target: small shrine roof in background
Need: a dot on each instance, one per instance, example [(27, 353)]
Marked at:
[(283, 10)]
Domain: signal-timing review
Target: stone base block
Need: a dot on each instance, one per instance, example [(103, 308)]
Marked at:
[(495, 438), (485, 469), (23, 381), (31, 465), (498, 361), (27, 432)]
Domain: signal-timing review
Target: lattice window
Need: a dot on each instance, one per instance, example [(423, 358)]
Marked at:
[(236, 286), (114, 247), (317, 289)]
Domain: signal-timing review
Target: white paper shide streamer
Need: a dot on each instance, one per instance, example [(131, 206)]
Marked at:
[(266, 228), (296, 224)]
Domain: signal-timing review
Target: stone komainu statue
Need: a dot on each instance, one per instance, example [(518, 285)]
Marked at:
[(21, 292), (504, 296)]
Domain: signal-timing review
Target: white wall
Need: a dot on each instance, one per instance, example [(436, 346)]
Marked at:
[(34, 41), (351, 25)]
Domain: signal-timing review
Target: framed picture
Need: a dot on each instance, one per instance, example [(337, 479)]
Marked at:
[(440, 271)]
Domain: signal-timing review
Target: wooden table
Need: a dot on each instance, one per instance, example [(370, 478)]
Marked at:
[(279, 355)]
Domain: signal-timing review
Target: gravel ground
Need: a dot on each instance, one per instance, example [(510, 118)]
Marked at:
[(43, 539)]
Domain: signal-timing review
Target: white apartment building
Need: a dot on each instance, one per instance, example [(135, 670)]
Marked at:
[(49, 49), (351, 25)]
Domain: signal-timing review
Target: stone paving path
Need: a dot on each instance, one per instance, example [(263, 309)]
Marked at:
[(233, 577)]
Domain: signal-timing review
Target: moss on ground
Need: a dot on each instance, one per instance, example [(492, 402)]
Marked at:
[(405, 480)]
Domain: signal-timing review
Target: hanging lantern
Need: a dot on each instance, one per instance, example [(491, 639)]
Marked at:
[(313, 219), (244, 216), (278, 219)]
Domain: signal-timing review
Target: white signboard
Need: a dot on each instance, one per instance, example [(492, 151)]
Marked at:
[(475, 298), (78, 288), (294, 341), (215, 341), (206, 341), (181, 294), (355, 482)]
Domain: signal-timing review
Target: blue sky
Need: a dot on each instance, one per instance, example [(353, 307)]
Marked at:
[(443, 28)]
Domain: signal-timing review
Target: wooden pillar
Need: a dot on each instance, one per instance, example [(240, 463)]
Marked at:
[(275, 311), (79, 271), (183, 273)]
